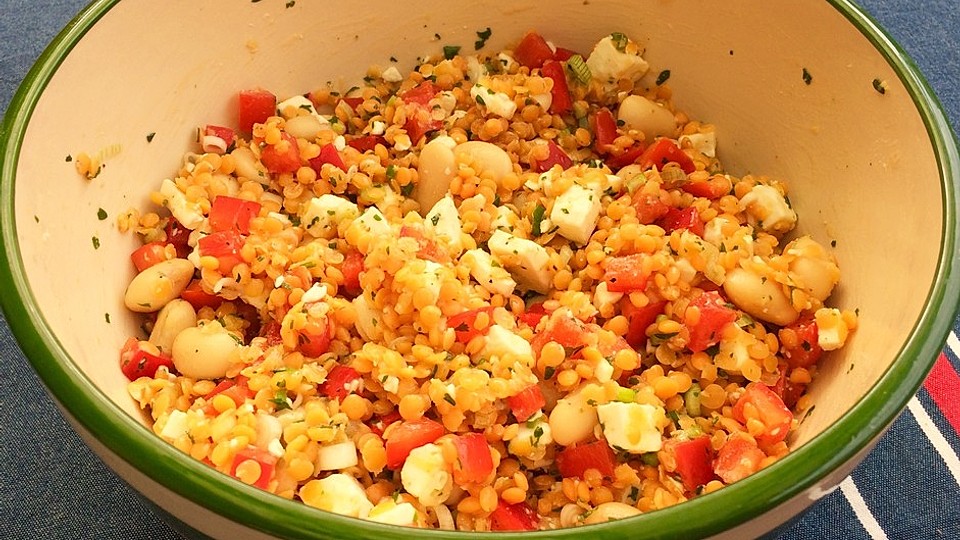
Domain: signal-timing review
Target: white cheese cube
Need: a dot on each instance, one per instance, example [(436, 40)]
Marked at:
[(632, 427), (501, 341), (575, 213), (603, 297), (388, 511), (496, 103), (371, 223), (444, 220), (526, 260), (767, 207), (488, 272), (705, 143), (189, 214), (338, 456), (175, 426), (425, 475), (338, 493), (391, 74), (323, 214), (832, 331), (608, 64)]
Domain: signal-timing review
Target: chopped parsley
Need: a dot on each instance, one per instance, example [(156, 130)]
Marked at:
[(663, 77), (880, 86), (807, 78), (151, 135), (96, 242), (482, 38), (450, 51), (101, 214), (619, 41), (537, 219)]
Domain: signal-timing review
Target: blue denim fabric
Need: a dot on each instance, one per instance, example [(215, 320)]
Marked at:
[(52, 486)]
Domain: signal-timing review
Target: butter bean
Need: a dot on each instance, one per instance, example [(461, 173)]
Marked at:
[(484, 157), (610, 511), (176, 316), (437, 168), (572, 420), (246, 165), (641, 114), (205, 352), (304, 126), (156, 286), (763, 299), (813, 268)]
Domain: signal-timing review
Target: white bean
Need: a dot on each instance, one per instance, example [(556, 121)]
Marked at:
[(304, 126), (484, 157), (175, 317), (156, 286), (246, 164), (813, 268), (641, 114), (763, 299), (572, 420), (205, 352), (609, 511), (437, 168)]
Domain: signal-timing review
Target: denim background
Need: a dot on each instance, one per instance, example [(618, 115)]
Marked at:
[(52, 486)]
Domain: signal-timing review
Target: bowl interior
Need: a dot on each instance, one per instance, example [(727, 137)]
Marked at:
[(848, 138)]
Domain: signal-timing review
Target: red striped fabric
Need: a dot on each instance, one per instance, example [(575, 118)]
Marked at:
[(943, 385)]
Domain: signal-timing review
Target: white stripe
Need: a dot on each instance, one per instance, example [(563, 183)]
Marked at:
[(852, 493), (936, 438), (953, 343)]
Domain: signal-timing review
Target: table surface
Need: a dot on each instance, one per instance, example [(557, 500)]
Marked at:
[(908, 487)]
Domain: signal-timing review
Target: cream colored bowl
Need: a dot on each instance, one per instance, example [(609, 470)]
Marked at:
[(872, 164)]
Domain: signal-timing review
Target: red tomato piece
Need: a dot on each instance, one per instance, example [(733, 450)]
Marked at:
[(216, 139), (352, 102), (179, 236), (328, 154), (271, 331), (639, 320), (574, 460), (802, 348), (351, 269), (694, 459), (314, 339), (737, 459), (533, 314), (464, 324), (556, 156), (366, 142), (514, 517), (565, 330), (533, 51), (526, 402), (664, 151), (420, 123), (474, 462), (225, 246), (148, 255), (714, 315), (676, 219), (341, 382), (625, 274), (380, 424), (228, 213), (420, 94), (788, 390), (604, 127), (429, 249), (649, 207), (628, 157), (563, 54), (283, 157), (200, 298), (266, 461), (235, 389), (409, 435), (710, 189), (760, 402), (142, 359), (254, 107), (561, 102)]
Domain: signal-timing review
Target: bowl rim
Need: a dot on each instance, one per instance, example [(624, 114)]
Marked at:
[(92, 411)]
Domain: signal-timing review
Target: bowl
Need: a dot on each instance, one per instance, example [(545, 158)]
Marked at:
[(812, 92)]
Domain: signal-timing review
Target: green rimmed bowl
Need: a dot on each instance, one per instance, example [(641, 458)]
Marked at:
[(812, 92)]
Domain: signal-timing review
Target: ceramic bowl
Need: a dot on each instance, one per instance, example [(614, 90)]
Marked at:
[(811, 91)]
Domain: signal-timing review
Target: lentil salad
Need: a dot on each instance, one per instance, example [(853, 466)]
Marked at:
[(511, 292)]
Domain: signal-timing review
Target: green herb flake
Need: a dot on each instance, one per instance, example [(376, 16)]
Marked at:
[(449, 399), (482, 38), (96, 242), (36, 218), (391, 171), (151, 135), (538, 213), (291, 3), (450, 51), (663, 77), (69, 158), (101, 214), (106, 317), (406, 190), (880, 86), (807, 78), (619, 41), (435, 219), (548, 372)]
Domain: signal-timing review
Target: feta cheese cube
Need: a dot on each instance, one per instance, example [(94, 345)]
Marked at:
[(388, 511), (832, 331), (189, 214), (337, 456), (392, 74), (766, 206), (444, 221), (609, 64), (488, 272), (575, 213), (496, 103), (501, 341), (322, 215), (175, 426), (338, 493), (425, 475), (705, 143), (632, 427), (526, 260), (371, 226)]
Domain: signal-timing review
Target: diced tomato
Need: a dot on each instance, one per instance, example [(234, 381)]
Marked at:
[(420, 94), (352, 102), (686, 218), (574, 460), (532, 51), (409, 435), (314, 339), (474, 462), (804, 345), (236, 389), (664, 151), (713, 188), (200, 298), (283, 157), (714, 315), (266, 461), (341, 382), (563, 54), (649, 207), (639, 319), (429, 249), (217, 139), (563, 329), (228, 213), (142, 359), (760, 402), (254, 107), (514, 517), (419, 118), (225, 246), (179, 236), (271, 331), (556, 156), (625, 274), (604, 127), (148, 255), (561, 102), (464, 324), (328, 154), (788, 390), (351, 269), (526, 402), (737, 459), (379, 425), (533, 314), (694, 458), (366, 142), (628, 157)]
